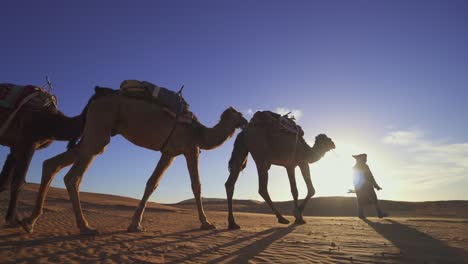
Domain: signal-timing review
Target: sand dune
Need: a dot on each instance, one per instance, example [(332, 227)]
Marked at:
[(173, 236), (342, 206)]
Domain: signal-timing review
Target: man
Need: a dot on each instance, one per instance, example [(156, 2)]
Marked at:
[(364, 184)]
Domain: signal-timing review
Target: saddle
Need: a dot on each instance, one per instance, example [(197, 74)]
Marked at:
[(31, 97), (14, 98), (173, 103), (284, 123)]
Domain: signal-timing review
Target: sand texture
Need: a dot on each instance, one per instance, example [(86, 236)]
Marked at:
[(173, 236)]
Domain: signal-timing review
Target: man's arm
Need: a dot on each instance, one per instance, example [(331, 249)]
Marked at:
[(371, 178)]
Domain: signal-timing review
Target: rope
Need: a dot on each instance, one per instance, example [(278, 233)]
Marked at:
[(175, 121), (12, 115)]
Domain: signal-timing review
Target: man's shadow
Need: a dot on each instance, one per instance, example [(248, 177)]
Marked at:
[(416, 245)]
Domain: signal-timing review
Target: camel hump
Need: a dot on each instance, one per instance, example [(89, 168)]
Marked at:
[(282, 122)]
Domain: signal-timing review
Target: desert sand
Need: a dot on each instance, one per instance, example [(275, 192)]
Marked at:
[(173, 235)]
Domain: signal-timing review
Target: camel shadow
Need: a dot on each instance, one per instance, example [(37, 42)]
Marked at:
[(14, 245), (244, 254), (416, 246)]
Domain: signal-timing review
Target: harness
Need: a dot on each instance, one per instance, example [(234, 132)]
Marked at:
[(179, 93), (38, 99), (12, 115)]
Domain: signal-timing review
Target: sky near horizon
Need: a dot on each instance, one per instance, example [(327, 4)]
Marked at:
[(388, 78)]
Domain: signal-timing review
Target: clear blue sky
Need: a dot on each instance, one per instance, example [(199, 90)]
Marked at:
[(384, 77)]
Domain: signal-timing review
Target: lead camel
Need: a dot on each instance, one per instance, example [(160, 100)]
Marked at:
[(268, 146)]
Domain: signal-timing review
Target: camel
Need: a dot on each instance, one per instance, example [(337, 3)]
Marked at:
[(147, 125), (33, 129), (268, 146)]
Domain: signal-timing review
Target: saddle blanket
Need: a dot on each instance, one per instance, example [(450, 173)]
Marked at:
[(289, 124), (13, 98), (283, 122), (170, 99), (12, 95)]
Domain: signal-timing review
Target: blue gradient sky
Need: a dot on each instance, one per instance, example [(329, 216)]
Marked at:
[(384, 77)]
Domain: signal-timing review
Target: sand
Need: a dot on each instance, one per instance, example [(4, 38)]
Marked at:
[(173, 236)]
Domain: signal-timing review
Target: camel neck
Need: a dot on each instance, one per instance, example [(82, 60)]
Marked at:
[(217, 135), (61, 127), (314, 154)]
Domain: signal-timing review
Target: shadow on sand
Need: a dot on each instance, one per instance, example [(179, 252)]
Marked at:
[(414, 244), (55, 257), (247, 252), (244, 254)]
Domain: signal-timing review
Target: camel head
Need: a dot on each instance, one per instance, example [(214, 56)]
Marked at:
[(235, 116), (322, 145)]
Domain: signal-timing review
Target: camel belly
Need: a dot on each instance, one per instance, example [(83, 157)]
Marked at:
[(147, 126)]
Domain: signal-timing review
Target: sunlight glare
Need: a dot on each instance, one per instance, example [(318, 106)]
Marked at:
[(332, 176)]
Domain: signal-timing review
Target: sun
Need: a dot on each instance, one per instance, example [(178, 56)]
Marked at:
[(332, 175)]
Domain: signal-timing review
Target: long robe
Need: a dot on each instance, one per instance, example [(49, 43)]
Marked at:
[(364, 184)]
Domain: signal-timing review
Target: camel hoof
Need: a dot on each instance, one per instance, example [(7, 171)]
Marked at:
[(283, 221), (89, 231), (233, 226), (27, 225), (299, 221), (297, 213), (136, 229), (207, 226)]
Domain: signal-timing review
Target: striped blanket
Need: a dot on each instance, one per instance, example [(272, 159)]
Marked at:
[(170, 99), (14, 97)]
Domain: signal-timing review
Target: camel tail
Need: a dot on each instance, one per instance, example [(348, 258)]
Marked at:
[(239, 154)]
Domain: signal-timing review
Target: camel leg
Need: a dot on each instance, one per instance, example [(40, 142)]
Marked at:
[(50, 168), (23, 158), (72, 182), (7, 171), (292, 182), (310, 188), (151, 185), (262, 169), (230, 183), (192, 164)]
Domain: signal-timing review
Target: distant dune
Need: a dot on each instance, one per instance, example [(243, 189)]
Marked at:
[(57, 198), (341, 206), (320, 206)]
